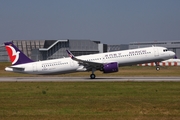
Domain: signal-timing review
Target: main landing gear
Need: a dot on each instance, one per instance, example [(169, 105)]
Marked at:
[(93, 76)]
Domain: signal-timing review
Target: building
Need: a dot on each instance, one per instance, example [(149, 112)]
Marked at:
[(112, 48), (3, 54), (57, 48), (52, 49), (28, 47)]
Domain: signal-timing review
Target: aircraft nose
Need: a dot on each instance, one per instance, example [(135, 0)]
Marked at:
[(172, 54)]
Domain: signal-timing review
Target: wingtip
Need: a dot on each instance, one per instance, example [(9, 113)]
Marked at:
[(70, 54), (68, 51)]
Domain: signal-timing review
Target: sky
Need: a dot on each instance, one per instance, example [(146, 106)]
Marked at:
[(109, 21)]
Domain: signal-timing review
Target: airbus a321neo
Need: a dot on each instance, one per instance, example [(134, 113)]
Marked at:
[(106, 62)]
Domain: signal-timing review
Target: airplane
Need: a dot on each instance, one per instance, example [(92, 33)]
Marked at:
[(106, 62)]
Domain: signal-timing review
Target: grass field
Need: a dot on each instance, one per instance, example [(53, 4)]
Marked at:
[(90, 100)]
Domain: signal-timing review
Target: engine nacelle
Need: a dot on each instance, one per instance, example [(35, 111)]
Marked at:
[(110, 67)]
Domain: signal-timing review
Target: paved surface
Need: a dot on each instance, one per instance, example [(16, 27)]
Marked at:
[(84, 79)]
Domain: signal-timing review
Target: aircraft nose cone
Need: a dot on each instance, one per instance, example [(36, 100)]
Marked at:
[(172, 54)]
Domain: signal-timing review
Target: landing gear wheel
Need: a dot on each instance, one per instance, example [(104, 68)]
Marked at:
[(157, 68), (92, 76)]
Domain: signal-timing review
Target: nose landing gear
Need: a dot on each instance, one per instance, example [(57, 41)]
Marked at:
[(157, 66)]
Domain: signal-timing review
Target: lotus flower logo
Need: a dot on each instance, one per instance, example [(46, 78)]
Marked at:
[(13, 54)]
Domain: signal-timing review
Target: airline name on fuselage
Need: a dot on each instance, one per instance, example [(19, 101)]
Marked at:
[(137, 52), (131, 52)]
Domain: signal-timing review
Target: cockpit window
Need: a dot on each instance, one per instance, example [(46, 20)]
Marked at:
[(165, 50)]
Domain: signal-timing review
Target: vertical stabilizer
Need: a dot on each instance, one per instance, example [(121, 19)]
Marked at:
[(16, 56)]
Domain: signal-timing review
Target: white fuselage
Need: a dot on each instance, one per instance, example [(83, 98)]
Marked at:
[(67, 65)]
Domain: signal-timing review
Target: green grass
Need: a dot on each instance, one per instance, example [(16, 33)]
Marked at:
[(90, 100)]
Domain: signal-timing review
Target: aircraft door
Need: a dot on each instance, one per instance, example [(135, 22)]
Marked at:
[(156, 52), (103, 59), (34, 67), (71, 63)]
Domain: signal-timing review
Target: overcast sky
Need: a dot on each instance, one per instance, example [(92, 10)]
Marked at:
[(108, 21)]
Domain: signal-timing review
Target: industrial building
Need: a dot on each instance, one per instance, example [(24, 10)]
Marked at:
[(3, 54), (112, 48), (52, 49)]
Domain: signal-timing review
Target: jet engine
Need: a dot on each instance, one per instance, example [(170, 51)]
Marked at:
[(110, 67)]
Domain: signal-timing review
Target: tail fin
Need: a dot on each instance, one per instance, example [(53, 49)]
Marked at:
[(16, 56)]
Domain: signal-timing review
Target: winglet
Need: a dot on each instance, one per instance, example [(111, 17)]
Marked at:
[(70, 54)]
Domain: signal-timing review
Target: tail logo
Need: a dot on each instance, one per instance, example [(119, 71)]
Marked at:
[(13, 54)]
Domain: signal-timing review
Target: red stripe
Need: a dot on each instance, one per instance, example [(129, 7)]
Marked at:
[(175, 63), (164, 64), (169, 63)]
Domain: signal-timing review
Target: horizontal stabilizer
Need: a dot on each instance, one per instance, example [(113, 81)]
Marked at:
[(11, 68)]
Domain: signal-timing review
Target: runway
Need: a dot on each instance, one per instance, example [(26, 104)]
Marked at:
[(84, 79)]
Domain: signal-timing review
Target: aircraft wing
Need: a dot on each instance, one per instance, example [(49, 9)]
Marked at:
[(87, 64)]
